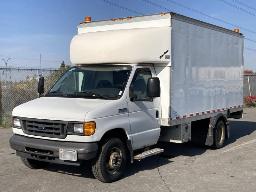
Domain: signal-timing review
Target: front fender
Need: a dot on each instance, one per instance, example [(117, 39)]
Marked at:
[(105, 124)]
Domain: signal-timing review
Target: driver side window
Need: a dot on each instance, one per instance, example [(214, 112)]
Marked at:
[(139, 84)]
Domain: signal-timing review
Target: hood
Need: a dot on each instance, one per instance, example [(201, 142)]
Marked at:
[(58, 108)]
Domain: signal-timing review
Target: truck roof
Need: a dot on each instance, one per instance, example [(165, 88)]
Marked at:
[(163, 19), (143, 39)]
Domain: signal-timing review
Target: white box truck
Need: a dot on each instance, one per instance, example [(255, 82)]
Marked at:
[(135, 82)]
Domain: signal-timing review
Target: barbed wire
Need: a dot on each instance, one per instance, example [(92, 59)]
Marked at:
[(32, 59), (27, 69)]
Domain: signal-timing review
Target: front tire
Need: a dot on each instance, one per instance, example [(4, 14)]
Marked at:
[(219, 134), (33, 164), (111, 162)]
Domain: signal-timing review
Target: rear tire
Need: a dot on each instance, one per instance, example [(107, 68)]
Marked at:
[(33, 164), (219, 134), (111, 162)]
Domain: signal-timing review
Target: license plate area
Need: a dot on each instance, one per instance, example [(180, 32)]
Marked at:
[(67, 154)]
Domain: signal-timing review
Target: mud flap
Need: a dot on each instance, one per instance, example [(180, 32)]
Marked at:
[(209, 139), (227, 130), (130, 151)]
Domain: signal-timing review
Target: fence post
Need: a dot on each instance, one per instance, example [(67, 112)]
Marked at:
[(249, 84), (1, 105)]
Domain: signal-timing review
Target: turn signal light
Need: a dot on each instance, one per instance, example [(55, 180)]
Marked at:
[(89, 128), (88, 19), (237, 30)]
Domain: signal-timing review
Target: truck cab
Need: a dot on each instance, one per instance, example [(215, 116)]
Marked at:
[(86, 106)]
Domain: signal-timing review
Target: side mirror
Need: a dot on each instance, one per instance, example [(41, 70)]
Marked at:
[(153, 88), (40, 88)]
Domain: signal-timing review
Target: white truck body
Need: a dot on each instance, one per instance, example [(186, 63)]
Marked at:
[(199, 65), (202, 70)]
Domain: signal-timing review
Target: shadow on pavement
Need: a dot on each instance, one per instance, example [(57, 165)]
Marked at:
[(85, 170), (79, 171), (238, 129)]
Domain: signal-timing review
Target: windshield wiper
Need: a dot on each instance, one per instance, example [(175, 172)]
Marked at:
[(92, 94), (84, 94), (54, 93)]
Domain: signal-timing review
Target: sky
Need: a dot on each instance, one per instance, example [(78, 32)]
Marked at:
[(30, 28)]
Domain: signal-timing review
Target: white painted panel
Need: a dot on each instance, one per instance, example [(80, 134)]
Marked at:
[(121, 26), (163, 72), (121, 46), (150, 21), (207, 69), (144, 125)]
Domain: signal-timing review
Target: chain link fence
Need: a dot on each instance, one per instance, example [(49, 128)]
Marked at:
[(18, 86)]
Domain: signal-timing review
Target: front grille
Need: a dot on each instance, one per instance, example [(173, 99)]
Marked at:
[(44, 128)]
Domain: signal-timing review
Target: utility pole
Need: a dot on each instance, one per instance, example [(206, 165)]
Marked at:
[(40, 64)]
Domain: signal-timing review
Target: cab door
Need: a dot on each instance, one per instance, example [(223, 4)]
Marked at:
[(143, 115)]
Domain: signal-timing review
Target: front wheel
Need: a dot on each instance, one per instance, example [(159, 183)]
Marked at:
[(219, 134), (111, 162)]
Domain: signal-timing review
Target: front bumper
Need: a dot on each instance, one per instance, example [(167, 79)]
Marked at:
[(48, 150)]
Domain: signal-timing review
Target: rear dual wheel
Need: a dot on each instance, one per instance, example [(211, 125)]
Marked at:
[(219, 134)]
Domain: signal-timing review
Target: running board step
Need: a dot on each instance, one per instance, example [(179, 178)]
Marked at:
[(148, 153)]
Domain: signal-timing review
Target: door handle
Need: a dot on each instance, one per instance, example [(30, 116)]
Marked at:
[(157, 114), (123, 110)]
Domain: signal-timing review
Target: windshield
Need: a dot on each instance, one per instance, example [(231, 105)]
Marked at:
[(102, 82)]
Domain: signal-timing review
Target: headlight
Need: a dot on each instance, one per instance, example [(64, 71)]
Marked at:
[(87, 128), (78, 128), (16, 123)]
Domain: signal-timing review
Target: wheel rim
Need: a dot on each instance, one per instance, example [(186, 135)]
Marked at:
[(221, 133), (114, 160)]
